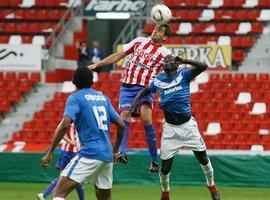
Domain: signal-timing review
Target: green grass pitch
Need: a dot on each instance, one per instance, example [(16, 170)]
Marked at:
[(28, 191)]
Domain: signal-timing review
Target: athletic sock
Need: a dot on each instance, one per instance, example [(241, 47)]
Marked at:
[(58, 198), (209, 173), (151, 140), (123, 147), (51, 187), (164, 181), (80, 191)]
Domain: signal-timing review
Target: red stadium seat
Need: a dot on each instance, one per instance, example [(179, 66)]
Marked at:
[(5, 106), (256, 27), (38, 116), (11, 76), (28, 126), (14, 96), (4, 38), (48, 106), (50, 115), (23, 76), (238, 55), (43, 137), (35, 77), (264, 3), (25, 86), (263, 77)]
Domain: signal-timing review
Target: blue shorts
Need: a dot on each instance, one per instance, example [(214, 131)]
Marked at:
[(64, 159), (127, 95)]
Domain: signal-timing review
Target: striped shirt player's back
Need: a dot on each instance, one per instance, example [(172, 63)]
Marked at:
[(145, 61), (72, 135)]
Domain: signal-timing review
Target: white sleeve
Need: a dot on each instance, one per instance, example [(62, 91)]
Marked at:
[(129, 47)]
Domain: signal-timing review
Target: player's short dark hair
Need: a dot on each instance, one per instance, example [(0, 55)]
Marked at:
[(83, 77), (168, 30)]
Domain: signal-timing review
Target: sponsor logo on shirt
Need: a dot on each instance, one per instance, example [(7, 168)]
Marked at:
[(90, 97), (174, 89)]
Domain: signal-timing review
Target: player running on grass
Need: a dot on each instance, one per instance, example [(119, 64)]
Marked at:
[(180, 128), (146, 56), (69, 148), (91, 113)]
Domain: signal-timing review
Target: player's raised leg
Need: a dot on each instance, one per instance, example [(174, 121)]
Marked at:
[(150, 133), (209, 173), (164, 176), (122, 157)]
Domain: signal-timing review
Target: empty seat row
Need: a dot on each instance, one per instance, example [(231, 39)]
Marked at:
[(26, 39), (28, 28), (218, 3), (33, 15), (239, 77), (221, 15), (254, 87), (36, 3), (234, 41), (33, 77)]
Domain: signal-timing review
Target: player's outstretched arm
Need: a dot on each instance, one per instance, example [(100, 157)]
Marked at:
[(144, 92), (115, 57), (198, 67), (58, 136), (120, 132)]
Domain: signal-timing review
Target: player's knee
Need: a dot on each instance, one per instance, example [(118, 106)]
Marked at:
[(165, 170), (204, 160)]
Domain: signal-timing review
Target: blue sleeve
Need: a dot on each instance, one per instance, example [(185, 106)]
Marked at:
[(152, 87), (114, 116), (72, 108), (187, 74)]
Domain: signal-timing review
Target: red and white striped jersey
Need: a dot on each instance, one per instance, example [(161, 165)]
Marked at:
[(72, 134), (145, 61)]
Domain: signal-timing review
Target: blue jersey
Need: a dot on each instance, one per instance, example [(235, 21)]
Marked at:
[(173, 91), (92, 113)]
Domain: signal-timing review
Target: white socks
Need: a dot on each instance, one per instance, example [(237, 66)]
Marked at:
[(164, 181), (58, 198), (209, 173)]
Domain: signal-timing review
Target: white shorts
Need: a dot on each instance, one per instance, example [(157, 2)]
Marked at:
[(185, 136), (98, 172)]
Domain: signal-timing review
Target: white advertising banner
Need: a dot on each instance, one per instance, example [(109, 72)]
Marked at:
[(25, 57)]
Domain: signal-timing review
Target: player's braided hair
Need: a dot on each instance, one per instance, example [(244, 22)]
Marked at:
[(83, 78)]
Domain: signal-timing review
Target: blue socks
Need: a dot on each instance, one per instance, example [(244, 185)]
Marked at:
[(151, 140), (48, 191), (123, 147), (80, 191)]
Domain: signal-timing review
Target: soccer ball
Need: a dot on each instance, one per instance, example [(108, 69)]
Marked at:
[(161, 14)]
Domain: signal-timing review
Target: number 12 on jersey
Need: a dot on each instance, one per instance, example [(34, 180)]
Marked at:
[(101, 117)]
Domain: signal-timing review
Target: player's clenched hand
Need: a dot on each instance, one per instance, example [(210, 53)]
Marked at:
[(93, 66), (46, 160)]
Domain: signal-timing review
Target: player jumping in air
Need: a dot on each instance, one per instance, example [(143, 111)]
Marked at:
[(91, 113), (146, 57), (180, 128)]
